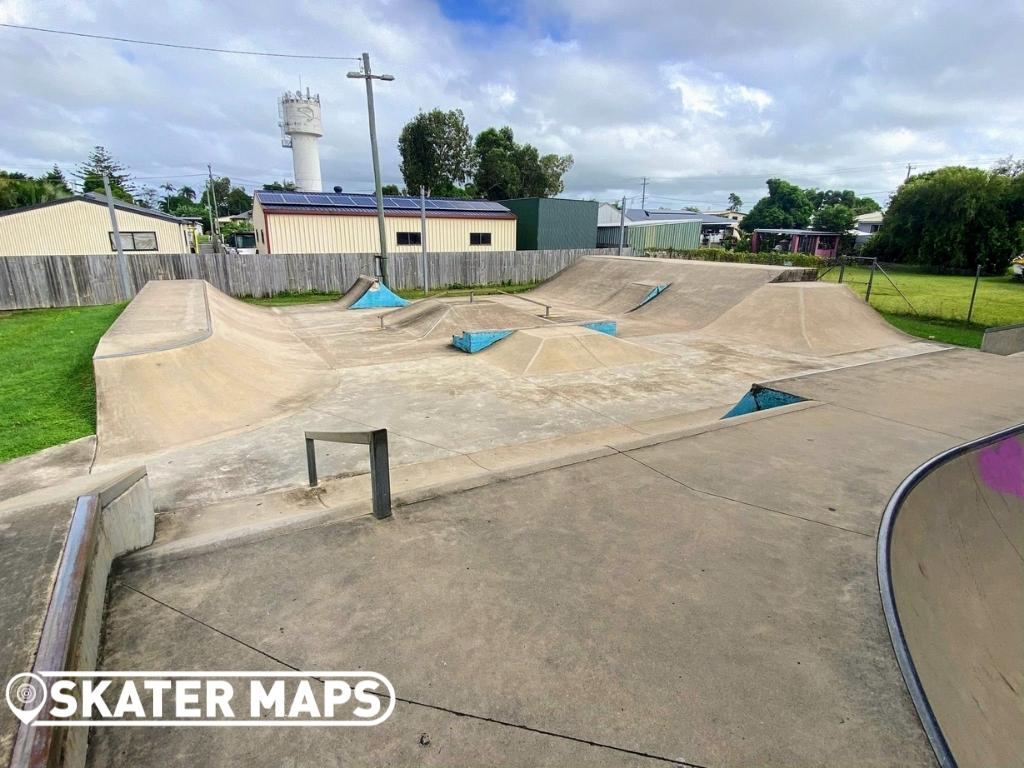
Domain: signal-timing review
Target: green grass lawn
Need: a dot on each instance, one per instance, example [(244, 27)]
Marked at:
[(47, 391), (938, 304)]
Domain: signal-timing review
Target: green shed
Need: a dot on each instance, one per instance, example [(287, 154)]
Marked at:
[(663, 236), (554, 223)]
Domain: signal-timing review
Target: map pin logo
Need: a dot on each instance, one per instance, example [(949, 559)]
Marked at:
[(26, 695)]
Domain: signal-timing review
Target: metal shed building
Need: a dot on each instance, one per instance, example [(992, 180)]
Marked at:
[(80, 225), (551, 223), (336, 222)]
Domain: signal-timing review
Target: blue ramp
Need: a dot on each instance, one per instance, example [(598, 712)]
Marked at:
[(379, 296)]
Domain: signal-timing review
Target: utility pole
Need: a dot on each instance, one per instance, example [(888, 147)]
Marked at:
[(122, 265), (214, 224), (369, 77), (622, 224), (643, 196), (423, 238), (909, 169)]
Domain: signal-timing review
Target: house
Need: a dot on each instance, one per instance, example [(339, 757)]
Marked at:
[(80, 225), (865, 226), (334, 222), (712, 229), (552, 223), (824, 245)]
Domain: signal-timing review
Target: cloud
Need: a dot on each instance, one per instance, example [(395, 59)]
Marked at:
[(712, 93), (701, 101)]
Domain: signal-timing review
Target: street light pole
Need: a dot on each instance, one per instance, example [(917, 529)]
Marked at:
[(369, 77)]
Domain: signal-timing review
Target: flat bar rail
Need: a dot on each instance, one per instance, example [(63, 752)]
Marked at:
[(380, 468)]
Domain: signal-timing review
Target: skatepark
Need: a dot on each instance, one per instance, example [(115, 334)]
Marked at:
[(602, 550)]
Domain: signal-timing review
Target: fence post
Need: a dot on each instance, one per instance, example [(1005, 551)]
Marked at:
[(871, 279), (842, 270), (974, 292)]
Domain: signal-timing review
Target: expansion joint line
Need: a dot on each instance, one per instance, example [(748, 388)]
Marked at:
[(736, 501), (413, 702)]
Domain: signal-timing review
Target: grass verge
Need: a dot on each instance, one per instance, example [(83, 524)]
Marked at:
[(47, 390), (938, 329)]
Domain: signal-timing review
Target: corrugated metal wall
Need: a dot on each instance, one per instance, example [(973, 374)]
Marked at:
[(79, 227), (674, 235), (311, 233), (550, 223)]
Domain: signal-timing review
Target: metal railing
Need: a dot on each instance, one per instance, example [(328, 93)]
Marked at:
[(380, 469)]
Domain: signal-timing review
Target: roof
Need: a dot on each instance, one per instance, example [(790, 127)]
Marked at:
[(98, 199), (341, 203), (875, 217), (795, 232), (636, 215)]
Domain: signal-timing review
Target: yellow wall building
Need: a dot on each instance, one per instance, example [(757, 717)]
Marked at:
[(80, 225), (330, 222)]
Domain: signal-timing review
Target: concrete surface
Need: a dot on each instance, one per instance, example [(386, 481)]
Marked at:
[(624, 601), (48, 467), (585, 564), (249, 368), (958, 582), (564, 349), (1004, 340), (816, 318), (33, 530)]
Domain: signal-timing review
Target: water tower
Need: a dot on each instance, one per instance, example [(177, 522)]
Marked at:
[(301, 129)]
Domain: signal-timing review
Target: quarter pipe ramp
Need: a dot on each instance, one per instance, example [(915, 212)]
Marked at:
[(951, 576)]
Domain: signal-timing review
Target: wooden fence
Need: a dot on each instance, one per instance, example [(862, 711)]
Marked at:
[(68, 281)]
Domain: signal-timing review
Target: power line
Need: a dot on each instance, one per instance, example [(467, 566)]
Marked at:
[(182, 47)]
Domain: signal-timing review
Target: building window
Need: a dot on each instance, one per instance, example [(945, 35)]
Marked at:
[(479, 238), (135, 241), (408, 238)]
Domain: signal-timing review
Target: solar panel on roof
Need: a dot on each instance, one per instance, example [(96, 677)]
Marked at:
[(406, 204), (271, 197)]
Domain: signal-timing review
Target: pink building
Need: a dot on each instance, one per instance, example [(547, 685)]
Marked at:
[(810, 241)]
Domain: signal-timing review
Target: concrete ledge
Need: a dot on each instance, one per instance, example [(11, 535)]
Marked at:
[(349, 498), (1004, 340), (110, 520)]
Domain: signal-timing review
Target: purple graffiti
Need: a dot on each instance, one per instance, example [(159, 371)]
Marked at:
[(1002, 467)]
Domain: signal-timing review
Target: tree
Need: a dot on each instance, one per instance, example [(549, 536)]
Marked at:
[(100, 162), (147, 198), (55, 176), (390, 189), (280, 186), (734, 202), (820, 199), (952, 218), (507, 170), (437, 152), (18, 190), (238, 201), (786, 207), (834, 218), (692, 209)]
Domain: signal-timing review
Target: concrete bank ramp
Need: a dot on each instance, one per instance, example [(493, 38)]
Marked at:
[(814, 318), (697, 293), (358, 289), (952, 581), (564, 349), (433, 318), (185, 362)]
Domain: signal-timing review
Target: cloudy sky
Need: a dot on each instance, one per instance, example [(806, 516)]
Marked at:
[(702, 98)]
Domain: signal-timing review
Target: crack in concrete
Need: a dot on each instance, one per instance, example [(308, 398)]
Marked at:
[(737, 501), (414, 702)]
